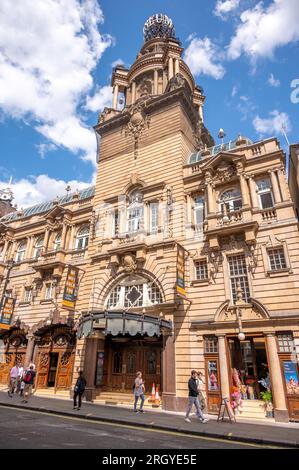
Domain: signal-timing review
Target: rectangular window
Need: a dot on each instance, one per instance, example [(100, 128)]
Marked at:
[(285, 342), (201, 269), (49, 291), (277, 259), (238, 276), (210, 344), (154, 214), (28, 295), (135, 216), (265, 193), (115, 223), (199, 211)]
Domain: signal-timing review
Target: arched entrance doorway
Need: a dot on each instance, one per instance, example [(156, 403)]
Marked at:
[(55, 357), (126, 355)]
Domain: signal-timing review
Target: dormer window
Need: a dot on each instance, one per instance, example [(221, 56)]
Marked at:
[(230, 201)]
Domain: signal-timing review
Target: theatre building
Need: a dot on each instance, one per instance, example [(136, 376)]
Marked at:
[(183, 256)]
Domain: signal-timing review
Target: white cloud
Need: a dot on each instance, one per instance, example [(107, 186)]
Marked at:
[(273, 81), (35, 190), (262, 30), (234, 90), (222, 8), (245, 107), (273, 124), (202, 56), (117, 62), (101, 99), (48, 50)]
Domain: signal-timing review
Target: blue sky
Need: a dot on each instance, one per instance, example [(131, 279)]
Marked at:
[(56, 60)]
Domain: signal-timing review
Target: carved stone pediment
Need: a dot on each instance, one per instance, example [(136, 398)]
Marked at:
[(225, 171)]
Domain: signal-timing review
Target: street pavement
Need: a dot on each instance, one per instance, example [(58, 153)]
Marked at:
[(146, 423), (36, 430)]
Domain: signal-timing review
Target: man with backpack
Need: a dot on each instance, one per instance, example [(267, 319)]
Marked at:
[(28, 379)]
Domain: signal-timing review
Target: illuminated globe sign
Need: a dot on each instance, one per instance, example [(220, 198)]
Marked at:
[(158, 26)]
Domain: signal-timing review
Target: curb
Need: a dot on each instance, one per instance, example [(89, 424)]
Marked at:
[(216, 435)]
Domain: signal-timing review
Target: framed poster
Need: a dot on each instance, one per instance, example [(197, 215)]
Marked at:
[(290, 372), (99, 368), (213, 385)]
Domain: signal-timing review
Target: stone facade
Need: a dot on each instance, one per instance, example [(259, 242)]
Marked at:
[(163, 188)]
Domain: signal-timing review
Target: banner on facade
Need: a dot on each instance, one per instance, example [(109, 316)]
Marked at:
[(291, 377), (7, 310), (71, 288), (180, 277)]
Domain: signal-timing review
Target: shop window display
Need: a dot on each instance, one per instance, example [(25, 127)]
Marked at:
[(212, 376)]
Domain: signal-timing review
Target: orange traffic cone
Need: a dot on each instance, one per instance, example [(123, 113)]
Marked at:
[(157, 397), (153, 394)]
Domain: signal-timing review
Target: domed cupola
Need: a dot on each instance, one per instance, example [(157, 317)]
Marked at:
[(158, 26)]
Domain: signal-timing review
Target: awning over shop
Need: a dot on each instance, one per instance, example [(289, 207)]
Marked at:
[(122, 323)]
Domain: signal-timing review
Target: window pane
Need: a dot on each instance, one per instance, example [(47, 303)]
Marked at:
[(266, 200), (201, 269), (154, 217), (238, 275), (277, 259)]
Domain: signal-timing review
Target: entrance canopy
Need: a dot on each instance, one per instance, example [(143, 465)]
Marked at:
[(122, 323)]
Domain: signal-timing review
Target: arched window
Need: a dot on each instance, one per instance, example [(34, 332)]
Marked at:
[(57, 241), (21, 251), (82, 238), (134, 291), (38, 246), (230, 201), (135, 211)]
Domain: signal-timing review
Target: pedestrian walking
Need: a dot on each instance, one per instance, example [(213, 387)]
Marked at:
[(79, 390), (193, 399), (139, 389), (20, 378), (13, 379), (201, 388), (28, 378)]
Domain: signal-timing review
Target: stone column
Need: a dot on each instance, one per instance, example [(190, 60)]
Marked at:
[(168, 373), (133, 99), (280, 406), (3, 254), (155, 82), (63, 236), (275, 187), (244, 190), (28, 253), (224, 377), (283, 185), (90, 366), (115, 97), (46, 239), (176, 66), (71, 241), (210, 194), (29, 351), (170, 68), (253, 194)]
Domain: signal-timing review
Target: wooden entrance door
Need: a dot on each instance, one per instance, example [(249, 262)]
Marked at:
[(126, 358), (43, 369), (64, 370), (10, 359)]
